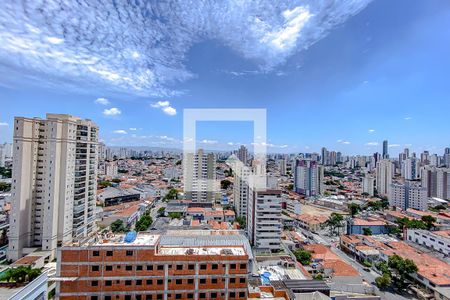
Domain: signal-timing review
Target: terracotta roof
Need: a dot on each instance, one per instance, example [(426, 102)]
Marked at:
[(26, 260), (196, 210), (444, 233), (330, 260), (368, 222)]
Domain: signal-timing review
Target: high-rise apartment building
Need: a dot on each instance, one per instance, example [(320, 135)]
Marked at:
[(200, 176), (385, 149), (368, 185), (54, 182), (241, 189), (264, 221), (242, 154), (411, 168), (5, 154), (282, 163), (408, 195), (324, 157), (308, 177), (446, 157), (384, 175), (153, 267), (437, 181)]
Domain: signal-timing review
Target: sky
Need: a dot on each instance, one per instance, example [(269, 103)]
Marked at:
[(341, 74)]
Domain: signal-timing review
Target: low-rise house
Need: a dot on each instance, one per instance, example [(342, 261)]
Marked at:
[(435, 240), (375, 225), (311, 222)]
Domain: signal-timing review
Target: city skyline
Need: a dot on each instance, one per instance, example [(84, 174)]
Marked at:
[(373, 86)]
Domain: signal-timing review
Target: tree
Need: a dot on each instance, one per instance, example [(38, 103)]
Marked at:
[(416, 224), (383, 281), (429, 221), (143, 223), (365, 194), (367, 231), (118, 226), (334, 222), (116, 180), (303, 256), (161, 210), (401, 268), (174, 215), (241, 221), (5, 187), (225, 184), (21, 274), (354, 209), (290, 187), (103, 184), (171, 194)]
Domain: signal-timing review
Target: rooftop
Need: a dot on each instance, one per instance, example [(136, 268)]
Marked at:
[(238, 251)]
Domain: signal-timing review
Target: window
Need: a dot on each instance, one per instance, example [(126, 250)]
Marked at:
[(139, 282), (214, 281), (159, 282), (190, 296), (109, 253), (95, 268), (159, 297), (233, 266), (191, 267), (179, 267), (242, 280), (190, 281), (129, 268), (232, 295), (149, 267), (160, 267), (127, 297), (177, 296), (202, 281), (213, 295), (108, 283), (232, 280), (203, 267), (129, 253), (95, 253), (242, 295), (202, 295), (243, 266), (138, 297), (138, 268), (215, 266), (107, 298), (178, 281), (148, 297), (149, 282), (94, 297), (127, 282), (94, 283), (108, 268)]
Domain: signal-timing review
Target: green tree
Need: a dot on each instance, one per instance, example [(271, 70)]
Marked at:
[(118, 226), (116, 180), (144, 222), (161, 210), (175, 215), (103, 184), (429, 221), (334, 222), (383, 282), (303, 256), (171, 194), (367, 231), (241, 221), (5, 187), (290, 187), (401, 268), (354, 209), (225, 184)]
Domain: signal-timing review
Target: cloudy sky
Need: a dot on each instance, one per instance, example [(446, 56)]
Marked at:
[(342, 74)]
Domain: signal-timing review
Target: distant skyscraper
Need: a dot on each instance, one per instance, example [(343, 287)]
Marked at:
[(54, 182), (5, 154), (324, 157), (447, 157), (243, 155), (385, 173), (385, 149), (408, 195), (411, 168), (368, 184), (241, 189), (200, 177), (308, 177), (425, 158), (282, 163)]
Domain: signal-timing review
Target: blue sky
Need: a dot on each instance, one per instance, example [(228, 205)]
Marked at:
[(344, 75)]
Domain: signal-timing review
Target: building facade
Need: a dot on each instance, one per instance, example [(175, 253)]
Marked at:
[(264, 220), (200, 177), (308, 177), (54, 182), (385, 173), (153, 267), (408, 195), (437, 181)]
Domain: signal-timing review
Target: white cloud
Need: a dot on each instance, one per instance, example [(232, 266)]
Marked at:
[(371, 130), (132, 129), (267, 32), (3, 124), (407, 118), (165, 107), (114, 111), (372, 144), (209, 142), (230, 143), (394, 145), (343, 142), (120, 131), (102, 101)]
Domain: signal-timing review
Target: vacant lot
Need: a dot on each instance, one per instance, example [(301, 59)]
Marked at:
[(319, 211)]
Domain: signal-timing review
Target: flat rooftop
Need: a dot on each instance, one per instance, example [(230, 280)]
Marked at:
[(142, 239), (238, 251)]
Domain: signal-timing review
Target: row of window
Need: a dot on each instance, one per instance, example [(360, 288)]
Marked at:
[(211, 295), (139, 282), (178, 267)]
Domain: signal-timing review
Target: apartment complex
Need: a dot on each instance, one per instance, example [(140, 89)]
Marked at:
[(242, 154), (151, 267), (54, 182), (200, 176), (384, 174), (408, 195), (241, 189), (411, 168), (5, 154), (437, 181), (264, 221), (308, 177), (368, 185)]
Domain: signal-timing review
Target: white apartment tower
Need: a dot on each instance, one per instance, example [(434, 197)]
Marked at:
[(408, 195), (5, 154), (368, 185), (411, 168), (385, 173), (264, 221), (308, 177), (54, 182), (241, 189), (200, 177), (437, 181), (242, 154)]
